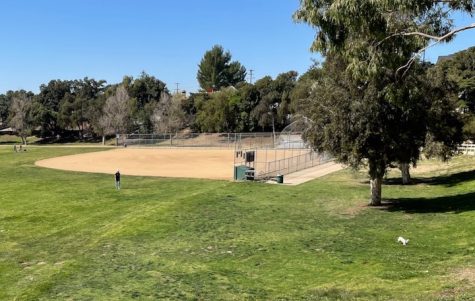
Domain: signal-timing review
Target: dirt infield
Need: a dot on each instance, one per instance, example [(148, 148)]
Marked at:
[(203, 163), (183, 163)]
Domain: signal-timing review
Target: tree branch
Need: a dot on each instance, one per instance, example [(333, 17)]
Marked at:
[(437, 39), (431, 37)]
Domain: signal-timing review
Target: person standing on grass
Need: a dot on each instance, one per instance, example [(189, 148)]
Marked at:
[(117, 180)]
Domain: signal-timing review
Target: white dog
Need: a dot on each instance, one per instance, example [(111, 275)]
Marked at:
[(403, 240)]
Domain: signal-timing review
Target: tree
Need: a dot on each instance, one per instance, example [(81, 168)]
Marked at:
[(350, 122), (76, 109), (273, 108), (359, 127), (115, 113), (50, 98), (368, 32), (220, 113), (284, 84), (376, 43), (216, 70), (146, 92), (454, 77), (6, 101), (446, 117), (4, 109), (303, 87), (146, 89), (249, 99), (169, 116), (20, 118), (230, 109)]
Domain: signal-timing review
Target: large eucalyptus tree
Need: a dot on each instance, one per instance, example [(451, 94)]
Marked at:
[(376, 42)]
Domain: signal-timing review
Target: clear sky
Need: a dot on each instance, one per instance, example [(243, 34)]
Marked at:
[(107, 39)]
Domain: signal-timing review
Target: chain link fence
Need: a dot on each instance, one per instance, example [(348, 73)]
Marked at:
[(221, 140)]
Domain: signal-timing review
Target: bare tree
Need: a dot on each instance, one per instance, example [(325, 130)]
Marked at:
[(169, 115), (20, 119), (115, 113)]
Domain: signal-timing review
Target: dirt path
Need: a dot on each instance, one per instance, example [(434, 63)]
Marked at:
[(309, 174)]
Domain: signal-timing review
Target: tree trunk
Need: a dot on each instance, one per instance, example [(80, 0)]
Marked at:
[(80, 132), (376, 191), (406, 176), (103, 140)]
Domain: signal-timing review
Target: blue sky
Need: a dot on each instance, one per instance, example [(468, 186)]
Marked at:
[(107, 39)]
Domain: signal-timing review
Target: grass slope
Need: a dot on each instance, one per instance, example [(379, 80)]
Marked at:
[(67, 235)]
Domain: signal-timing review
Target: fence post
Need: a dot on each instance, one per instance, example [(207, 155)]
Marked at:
[(298, 161)]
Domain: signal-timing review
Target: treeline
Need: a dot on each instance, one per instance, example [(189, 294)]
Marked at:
[(85, 108), (89, 108)]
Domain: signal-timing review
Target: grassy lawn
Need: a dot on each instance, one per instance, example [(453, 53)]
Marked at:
[(71, 236)]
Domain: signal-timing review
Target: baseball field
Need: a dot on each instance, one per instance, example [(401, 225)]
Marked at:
[(201, 163), (69, 235)]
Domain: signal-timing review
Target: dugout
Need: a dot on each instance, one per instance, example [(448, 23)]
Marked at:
[(243, 172)]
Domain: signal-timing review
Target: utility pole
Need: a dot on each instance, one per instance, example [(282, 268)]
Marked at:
[(177, 89), (250, 75)]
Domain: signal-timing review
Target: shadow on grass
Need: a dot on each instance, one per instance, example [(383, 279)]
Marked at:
[(446, 180), (454, 203)]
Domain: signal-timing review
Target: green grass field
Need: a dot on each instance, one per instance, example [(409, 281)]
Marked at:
[(71, 236)]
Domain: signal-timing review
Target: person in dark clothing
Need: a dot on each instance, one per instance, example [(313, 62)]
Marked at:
[(117, 180)]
